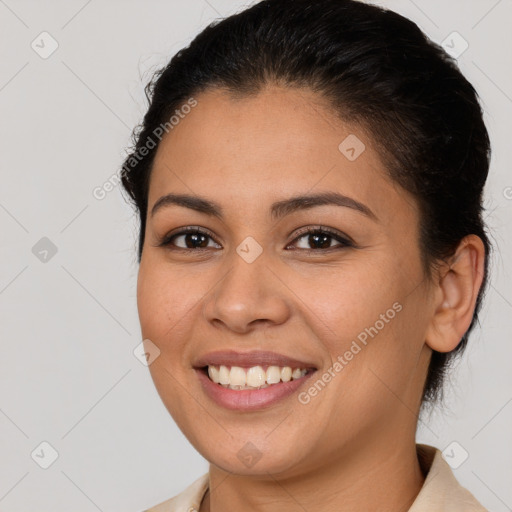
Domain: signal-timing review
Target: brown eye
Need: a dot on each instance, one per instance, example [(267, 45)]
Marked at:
[(318, 239), (192, 238)]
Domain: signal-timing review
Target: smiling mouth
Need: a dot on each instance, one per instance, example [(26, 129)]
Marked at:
[(254, 377)]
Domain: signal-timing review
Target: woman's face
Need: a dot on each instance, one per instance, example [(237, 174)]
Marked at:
[(354, 314)]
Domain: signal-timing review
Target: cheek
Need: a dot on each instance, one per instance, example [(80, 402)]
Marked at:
[(350, 299), (368, 314), (162, 302), (169, 301)]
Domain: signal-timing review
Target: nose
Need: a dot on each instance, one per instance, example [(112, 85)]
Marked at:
[(248, 295)]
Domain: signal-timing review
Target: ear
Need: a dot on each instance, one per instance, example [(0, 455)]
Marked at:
[(455, 295)]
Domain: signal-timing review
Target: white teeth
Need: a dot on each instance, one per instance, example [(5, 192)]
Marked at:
[(223, 375), (255, 376), (236, 377), (296, 374), (273, 374), (213, 373), (286, 374)]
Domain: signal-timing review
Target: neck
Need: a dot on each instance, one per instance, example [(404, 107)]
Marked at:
[(386, 478)]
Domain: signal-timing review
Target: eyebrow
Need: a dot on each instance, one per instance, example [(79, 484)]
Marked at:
[(278, 209)]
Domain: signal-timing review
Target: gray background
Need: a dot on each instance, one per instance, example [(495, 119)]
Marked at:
[(69, 325)]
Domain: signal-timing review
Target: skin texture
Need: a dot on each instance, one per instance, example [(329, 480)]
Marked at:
[(358, 433)]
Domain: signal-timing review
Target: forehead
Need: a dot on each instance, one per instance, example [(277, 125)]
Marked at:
[(268, 146)]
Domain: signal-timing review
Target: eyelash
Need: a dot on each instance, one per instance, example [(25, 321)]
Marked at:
[(317, 230)]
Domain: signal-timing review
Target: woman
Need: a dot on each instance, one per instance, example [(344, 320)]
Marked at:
[(309, 180)]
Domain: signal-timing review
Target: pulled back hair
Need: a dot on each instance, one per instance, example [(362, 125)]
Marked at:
[(377, 69)]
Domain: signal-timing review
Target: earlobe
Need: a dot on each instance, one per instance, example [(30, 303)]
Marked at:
[(455, 295)]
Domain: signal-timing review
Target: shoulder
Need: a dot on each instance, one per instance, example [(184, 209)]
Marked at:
[(441, 491), (188, 500)]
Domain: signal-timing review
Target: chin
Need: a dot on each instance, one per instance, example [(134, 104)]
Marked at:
[(249, 460)]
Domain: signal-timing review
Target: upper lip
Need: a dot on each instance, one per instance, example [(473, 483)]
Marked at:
[(248, 359)]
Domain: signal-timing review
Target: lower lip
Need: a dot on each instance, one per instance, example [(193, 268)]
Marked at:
[(249, 399)]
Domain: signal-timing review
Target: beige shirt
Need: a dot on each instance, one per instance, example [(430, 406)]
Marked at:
[(441, 492)]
